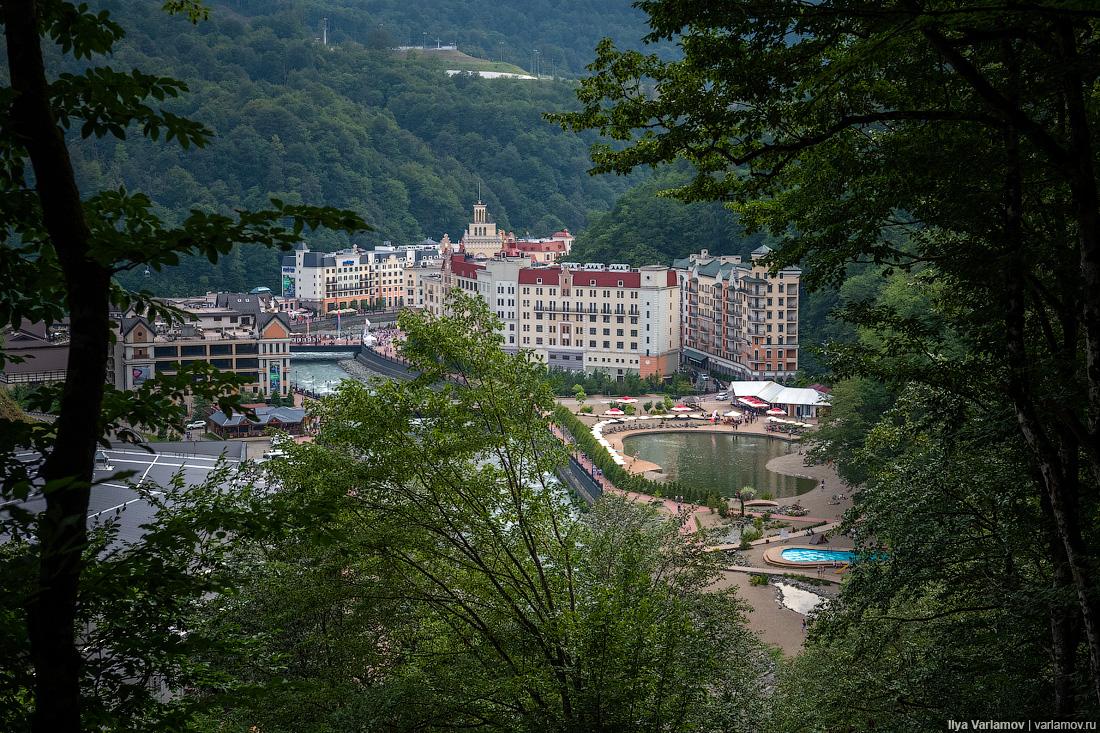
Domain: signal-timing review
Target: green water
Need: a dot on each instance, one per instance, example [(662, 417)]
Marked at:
[(719, 461)]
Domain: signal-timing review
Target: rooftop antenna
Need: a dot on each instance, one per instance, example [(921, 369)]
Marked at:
[(479, 192)]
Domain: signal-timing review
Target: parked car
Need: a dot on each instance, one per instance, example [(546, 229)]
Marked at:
[(721, 396), (196, 425)]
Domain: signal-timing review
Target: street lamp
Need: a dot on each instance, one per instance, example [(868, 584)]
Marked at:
[(425, 46)]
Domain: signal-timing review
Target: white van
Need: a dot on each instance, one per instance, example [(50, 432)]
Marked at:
[(196, 425)]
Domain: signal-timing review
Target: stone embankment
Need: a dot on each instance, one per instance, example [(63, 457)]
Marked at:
[(358, 370)]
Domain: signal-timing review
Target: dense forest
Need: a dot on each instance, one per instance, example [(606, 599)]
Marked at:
[(394, 139)]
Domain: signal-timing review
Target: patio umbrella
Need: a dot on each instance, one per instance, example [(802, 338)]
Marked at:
[(732, 413), (626, 400), (777, 411), (614, 411), (681, 408)]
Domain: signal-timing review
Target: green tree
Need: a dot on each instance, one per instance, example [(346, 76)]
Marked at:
[(745, 494), (61, 251), (499, 606), (579, 394), (941, 631), (938, 135)]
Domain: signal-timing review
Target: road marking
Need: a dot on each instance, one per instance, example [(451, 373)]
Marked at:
[(126, 503)]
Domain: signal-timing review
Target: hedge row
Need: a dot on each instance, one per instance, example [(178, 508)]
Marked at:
[(619, 476)]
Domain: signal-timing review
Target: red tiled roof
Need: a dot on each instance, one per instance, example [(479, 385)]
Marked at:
[(465, 268), (549, 275), (584, 278), (551, 246)]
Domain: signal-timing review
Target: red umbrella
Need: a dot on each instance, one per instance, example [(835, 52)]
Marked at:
[(681, 408), (627, 400), (614, 411), (777, 411)]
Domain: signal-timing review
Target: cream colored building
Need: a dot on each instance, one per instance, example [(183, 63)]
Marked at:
[(481, 239), (353, 278), (613, 318), (739, 320)]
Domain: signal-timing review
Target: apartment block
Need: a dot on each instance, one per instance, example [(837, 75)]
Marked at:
[(353, 278), (738, 319)]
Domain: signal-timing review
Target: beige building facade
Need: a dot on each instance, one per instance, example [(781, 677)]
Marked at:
[(738, 319), (254, 345), (612, 318)]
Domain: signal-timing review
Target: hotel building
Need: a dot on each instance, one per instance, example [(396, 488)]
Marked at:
[(578, 317), (353, 278), (738, 319)]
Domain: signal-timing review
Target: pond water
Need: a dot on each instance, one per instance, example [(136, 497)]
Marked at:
[(721, 462), (798, 600)]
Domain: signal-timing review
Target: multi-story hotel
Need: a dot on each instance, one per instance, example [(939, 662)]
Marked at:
[(253, 344), (739, 320), (353, 278), (579, 317)]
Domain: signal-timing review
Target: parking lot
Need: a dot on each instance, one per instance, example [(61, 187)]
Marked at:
[(195, 460)]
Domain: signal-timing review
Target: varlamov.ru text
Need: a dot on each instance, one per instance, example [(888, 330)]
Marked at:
[(1020, 725)]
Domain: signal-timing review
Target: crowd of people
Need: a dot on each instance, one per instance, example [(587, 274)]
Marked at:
[(323, 339)]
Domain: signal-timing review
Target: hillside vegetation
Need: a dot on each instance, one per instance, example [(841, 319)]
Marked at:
[(395, 139)]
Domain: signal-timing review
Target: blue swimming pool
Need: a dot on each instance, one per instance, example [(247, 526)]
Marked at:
[(797, 555)]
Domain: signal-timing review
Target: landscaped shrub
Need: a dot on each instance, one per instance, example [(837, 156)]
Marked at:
[(616, 474)]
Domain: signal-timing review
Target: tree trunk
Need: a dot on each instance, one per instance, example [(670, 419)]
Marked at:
[(67, 470)]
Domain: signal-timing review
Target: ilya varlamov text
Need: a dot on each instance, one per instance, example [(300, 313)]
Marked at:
[(1020, 725)]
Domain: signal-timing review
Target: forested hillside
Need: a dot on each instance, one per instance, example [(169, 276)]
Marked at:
[(643, 228), (394, 139), (564, 33)]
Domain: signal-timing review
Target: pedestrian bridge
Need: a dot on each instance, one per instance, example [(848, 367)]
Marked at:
[(326, 349)]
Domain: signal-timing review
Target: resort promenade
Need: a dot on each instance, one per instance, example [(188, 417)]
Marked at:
[(773, 622)]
